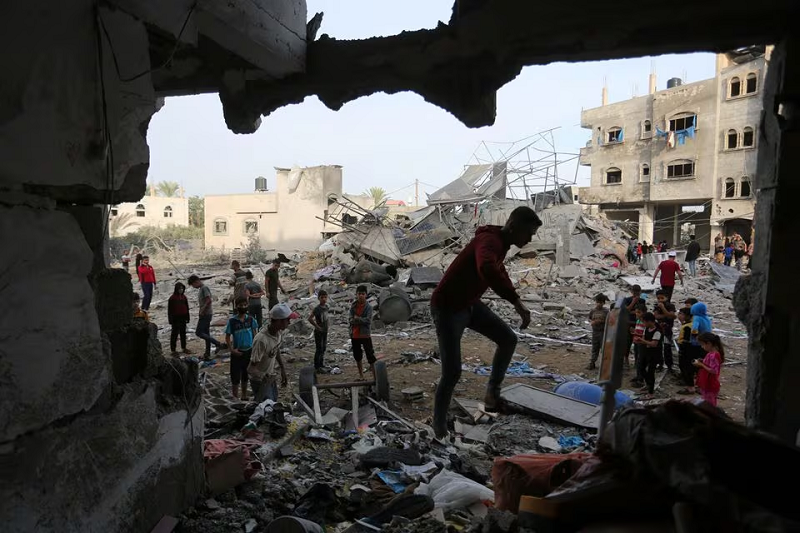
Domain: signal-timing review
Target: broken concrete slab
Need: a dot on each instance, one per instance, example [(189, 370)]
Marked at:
[(546, 404), (571, 271), (645, 282), (580, 246), (725, 277)]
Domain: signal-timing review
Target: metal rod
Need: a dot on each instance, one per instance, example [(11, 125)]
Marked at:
[(345, 385)]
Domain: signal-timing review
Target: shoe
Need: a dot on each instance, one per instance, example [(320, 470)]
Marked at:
[(492, 401)]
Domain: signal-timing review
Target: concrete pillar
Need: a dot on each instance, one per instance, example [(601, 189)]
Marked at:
[(647, 217), (652, 87), (605, 95), (676, 228), (766, 301), (562, 245)]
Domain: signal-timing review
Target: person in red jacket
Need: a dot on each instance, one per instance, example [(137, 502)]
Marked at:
[(456, 305), (178, 316), (147, 277)]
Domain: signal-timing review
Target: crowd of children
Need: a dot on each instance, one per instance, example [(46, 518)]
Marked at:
[(254, 345), (651, 333)]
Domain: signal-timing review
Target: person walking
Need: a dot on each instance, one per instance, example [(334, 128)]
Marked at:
[(597, 319), (692, 253), (456, 305), (253, 292), (668, 269), (147, 277), (204, 315), (273, 283), (319, 319)]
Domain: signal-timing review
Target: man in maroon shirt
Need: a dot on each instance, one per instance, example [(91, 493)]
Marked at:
[(456, 305), (668, 268)]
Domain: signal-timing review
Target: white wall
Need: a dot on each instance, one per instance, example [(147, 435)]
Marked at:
[(155, 208)]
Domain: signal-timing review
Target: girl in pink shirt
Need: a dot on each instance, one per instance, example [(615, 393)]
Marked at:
[(708, 375)]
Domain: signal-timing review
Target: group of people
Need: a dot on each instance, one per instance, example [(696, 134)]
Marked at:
[(651, 334), (638, 249), (732, 251)]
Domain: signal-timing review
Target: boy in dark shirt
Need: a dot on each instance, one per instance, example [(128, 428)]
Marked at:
[(664, 311), (360, 335), (650, 351), (597, 319), (178, 316), (319, 319), (253, 292), (630, 303), (239, 334), (685, 354)]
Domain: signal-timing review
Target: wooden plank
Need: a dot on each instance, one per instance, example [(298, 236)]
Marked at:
[(317, 411), (549, 405), (391, 413), (354, 405), (304, 405)]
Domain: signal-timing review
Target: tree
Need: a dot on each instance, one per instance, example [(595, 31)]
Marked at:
[(378, 195), (118, 223), (197, 211), (168, 188)]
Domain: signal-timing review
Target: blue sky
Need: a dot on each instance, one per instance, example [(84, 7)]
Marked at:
[(389, 140)]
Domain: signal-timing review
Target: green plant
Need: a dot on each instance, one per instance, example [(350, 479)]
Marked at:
[(168, 188), (197, 209), (378, 195), (254, 253), (119, 223)]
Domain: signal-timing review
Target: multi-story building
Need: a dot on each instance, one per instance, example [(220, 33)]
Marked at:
[(151, 210), (683, 155)]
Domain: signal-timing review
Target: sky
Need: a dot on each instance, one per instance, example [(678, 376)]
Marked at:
[(391, 140)]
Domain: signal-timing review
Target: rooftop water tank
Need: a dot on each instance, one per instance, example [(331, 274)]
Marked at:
[(674, 82), (261, 184)]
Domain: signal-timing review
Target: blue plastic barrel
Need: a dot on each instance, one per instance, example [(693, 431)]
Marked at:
[(589, 393)]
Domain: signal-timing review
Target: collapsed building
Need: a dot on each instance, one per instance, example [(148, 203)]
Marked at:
[(101, 433)]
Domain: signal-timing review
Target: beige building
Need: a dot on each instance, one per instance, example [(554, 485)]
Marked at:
[(683, 155), (152, 210), (287, 218)]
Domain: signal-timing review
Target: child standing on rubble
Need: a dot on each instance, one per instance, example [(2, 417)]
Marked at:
[(178, 316), (709, 366), (239, 334), (319, 319), (685, 350), (637, 330), (664, 311), (360, 335), (597, 319), (649, 352)]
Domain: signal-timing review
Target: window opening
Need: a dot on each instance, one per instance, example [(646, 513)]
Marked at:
[(752, 83), (614, 135), (680, 170), (648, 126), (732, 139), (730, 188), (744, 189), (736, 87), (645, 170), (682, 123), (114, 211), (613, 175), (251, 226), (220, 227), (748, 137), (168, 212), (139, 210)]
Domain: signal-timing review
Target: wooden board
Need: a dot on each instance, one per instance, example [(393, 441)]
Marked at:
[(546, 404)]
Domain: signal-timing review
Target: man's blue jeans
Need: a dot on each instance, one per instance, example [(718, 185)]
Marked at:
[(203, 331)]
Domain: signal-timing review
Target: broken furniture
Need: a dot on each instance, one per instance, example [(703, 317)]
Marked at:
[(309, 389)]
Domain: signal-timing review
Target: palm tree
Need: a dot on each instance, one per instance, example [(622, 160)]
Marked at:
[(196, 211), (118, 223), (378, 195), (167, 188)]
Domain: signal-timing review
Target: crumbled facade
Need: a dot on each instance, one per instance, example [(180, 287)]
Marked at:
[(690, 145)]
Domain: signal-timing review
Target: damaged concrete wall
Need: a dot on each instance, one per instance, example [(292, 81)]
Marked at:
[(286, 219), (80, 450)]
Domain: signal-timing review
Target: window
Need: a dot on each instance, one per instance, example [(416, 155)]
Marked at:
[(680, 169), (752, 83), (614, 135), (730, 188), (220, 226), (647, 126), (168, 212), (732, 140), (114, 211), (250, 226), (748, 137), (736, 87), (139, 210), (645, 172), (682, 122), (613, 176), (744, 188)]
